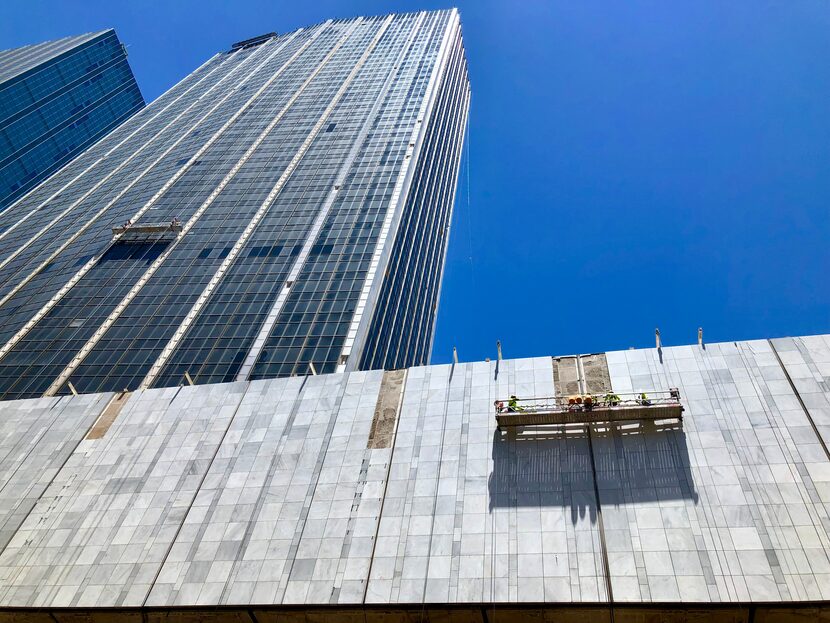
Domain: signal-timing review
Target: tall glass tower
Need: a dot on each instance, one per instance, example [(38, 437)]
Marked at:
[(283, 210), (56, 99)]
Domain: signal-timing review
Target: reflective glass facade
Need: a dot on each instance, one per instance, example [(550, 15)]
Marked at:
[(56, 99), (313, 175)]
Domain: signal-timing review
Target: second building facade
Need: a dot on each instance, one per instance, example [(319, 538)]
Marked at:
[(56, 99)]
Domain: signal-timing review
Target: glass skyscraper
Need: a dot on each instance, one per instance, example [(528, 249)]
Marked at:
[(283, 210), (56, 99)]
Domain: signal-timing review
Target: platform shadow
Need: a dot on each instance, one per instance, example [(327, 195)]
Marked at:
[(552, 466)]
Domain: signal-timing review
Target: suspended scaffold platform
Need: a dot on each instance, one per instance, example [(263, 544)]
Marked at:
[(589, 409), (144, 232)]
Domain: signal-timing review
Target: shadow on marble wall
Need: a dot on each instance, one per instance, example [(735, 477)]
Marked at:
[(550, 466)]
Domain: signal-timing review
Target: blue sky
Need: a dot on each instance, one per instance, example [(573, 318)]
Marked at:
[(631, 164)]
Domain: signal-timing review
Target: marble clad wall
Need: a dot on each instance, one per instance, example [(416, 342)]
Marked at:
[(271, 492), (101, 530), (807, 362), (36, 437), (729, 508)]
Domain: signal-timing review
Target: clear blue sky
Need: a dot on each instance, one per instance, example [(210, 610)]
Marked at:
[(632, 164)]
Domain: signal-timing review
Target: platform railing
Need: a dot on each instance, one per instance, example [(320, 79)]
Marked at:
[(148, 228), (147, 233), (589, 408)]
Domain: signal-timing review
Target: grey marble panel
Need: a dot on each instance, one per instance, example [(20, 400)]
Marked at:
[(472, 514), (807, 361), (36, 437), (542, 502), (99, 533), (726, 506), (399, 566), (218, 555), (331, 564)]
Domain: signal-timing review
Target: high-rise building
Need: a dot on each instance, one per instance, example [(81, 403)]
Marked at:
[(56, 99), (285, 209)]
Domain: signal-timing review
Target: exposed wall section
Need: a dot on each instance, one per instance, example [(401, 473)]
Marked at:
[(581, 374), (595, 373), (386, 411), (566, 376), (108, 415)]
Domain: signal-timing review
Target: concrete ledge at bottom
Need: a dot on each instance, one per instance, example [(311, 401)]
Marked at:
[(802, 612)]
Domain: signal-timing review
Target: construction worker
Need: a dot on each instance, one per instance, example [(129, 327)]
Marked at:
[(513, 405), (611, 399), (588, 402), (644, 400)]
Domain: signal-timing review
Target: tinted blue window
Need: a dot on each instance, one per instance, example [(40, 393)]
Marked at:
[(56, 99)]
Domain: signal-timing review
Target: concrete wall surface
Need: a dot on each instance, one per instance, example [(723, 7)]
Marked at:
[(376, 489)]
